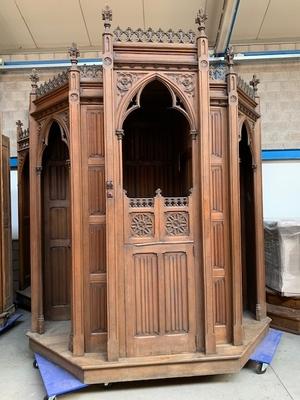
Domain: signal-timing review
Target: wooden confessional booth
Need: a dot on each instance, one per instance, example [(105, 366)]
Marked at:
[(146, 211)]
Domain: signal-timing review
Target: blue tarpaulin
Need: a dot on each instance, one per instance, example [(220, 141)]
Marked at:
[(266, 349), (56, 379)]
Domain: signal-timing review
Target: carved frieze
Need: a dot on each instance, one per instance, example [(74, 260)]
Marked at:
[(140, 202), (217, 72), (142, 224), (151, 36), (247, 89), (177, 223), (53, 84), (91, 72)]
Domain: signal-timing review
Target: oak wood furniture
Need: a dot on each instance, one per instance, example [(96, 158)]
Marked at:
[(6, 274), (284, 311), (146, 211), (23, 206)]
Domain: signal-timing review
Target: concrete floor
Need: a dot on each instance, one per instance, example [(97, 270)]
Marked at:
[(19, 380)]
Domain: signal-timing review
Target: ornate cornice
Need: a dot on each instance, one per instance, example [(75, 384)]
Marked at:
[(252, 114), (151, 36), (241, 84), (217, 72), (91, 72), (53, 84)]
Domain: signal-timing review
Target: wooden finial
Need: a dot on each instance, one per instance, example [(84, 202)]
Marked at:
[(200, 21), (74, 53), (34, 77), (229, 56), (254, 82), (107, 18)]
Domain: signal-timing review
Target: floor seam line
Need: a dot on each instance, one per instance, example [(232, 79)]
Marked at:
[(282, 383)]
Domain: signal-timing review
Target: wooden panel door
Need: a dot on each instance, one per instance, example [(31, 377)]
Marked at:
[(159, 276), (6, 278), (57, 243)]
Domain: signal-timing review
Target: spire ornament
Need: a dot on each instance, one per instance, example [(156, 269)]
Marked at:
[(254, 82), (107, 18), (34, 77), (74, 53), (229, 56), (200, 21)]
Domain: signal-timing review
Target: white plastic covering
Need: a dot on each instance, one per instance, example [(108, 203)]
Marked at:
[(282, 256)]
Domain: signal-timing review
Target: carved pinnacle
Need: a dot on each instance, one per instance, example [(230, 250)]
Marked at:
[(19, 124), (107, 18), (74, 53), (34, 77), (254, 82), (229, 56), (200, 21)]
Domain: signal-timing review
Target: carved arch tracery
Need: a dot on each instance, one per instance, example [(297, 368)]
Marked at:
[(45, 131), (132, 94), (249, 128)]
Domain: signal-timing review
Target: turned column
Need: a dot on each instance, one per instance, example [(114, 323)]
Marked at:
[(77, 334), (111, 174), (37, 315), (234, 201), (261, 311), (204, 170)]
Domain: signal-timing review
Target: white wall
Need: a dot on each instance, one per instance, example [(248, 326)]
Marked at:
[(14, 203), (281, 189)]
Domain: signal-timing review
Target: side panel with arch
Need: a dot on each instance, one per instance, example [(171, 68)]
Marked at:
[(93, 169), (57, 230), (219, 225)]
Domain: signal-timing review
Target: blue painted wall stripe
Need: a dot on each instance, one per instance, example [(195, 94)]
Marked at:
[(266, 155), (282, 154)]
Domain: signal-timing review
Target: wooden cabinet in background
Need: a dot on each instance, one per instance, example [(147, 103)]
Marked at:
[(146, 232), (6, 273)]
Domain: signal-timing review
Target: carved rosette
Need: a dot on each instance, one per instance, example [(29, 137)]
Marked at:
[(185, 81), (125, 81), (142, 225), (177, 223)]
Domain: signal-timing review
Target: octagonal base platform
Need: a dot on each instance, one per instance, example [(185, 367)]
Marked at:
[(94, 368)]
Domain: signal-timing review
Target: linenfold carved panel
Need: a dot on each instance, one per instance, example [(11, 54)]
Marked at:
[(146, 294), (97, 248), (216, 133), (218, 244), (98, 311), (96, 191), (220, 301), (94, 120), (217, 188), (176, 292)]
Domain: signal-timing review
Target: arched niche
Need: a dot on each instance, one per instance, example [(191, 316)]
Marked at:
[(247, 212), (56, 230), (24, 222), (157, 146)]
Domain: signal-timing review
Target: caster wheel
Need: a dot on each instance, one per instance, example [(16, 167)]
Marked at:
[(261, 368), (35, 364), (107, 385)]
